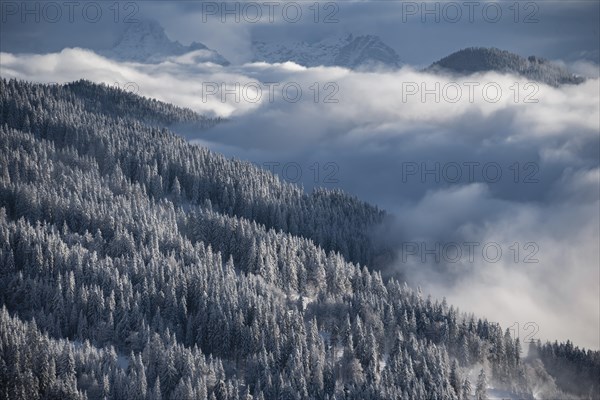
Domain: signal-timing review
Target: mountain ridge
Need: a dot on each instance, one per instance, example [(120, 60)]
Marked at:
[(354, 52), (147, 42)]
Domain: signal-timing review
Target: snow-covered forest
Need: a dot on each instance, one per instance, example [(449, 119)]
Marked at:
[(135, 265)]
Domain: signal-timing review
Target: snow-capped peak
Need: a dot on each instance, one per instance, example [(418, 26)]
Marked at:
[(349, 51), (146, 41)]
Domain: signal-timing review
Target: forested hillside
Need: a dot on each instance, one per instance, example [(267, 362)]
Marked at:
[(134, 265), (96, 126), (105, 99)]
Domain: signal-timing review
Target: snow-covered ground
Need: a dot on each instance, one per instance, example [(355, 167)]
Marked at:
[(497, 394)]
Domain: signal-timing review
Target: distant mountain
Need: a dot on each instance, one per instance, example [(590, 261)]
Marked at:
[(350, 52), (481, 59), (147, 42)]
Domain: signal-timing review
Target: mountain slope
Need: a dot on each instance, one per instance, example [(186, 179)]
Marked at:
[(147, 42), (334, 220), (350, 52), (481, 59), (134, 265), (105, 99)]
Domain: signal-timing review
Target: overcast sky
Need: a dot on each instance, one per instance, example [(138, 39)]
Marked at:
[(553, 29)]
